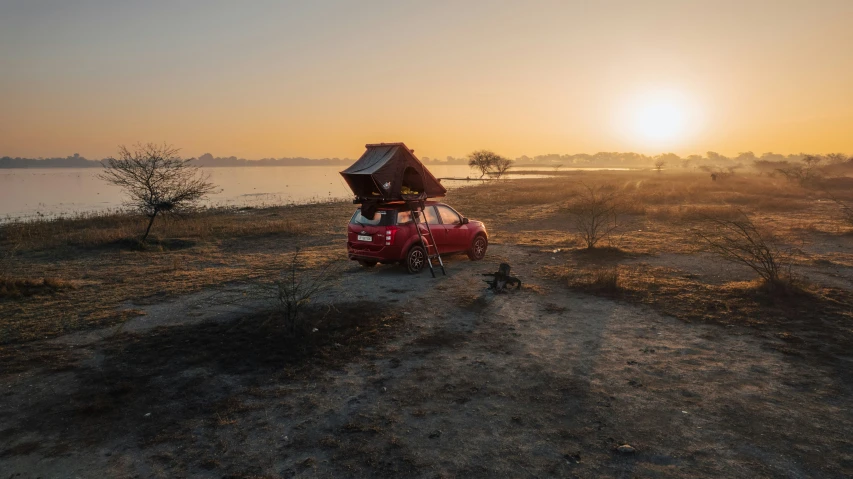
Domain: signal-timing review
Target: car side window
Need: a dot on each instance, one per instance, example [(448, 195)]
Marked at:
[(431, 217), (404, 217), (448, 216)]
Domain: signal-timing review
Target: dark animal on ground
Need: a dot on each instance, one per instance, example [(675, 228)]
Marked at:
[(501, 279)]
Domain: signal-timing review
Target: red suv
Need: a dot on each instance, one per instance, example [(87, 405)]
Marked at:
[(391, 237)]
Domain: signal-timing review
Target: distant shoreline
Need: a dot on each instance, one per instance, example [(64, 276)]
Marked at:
[(342, 165)]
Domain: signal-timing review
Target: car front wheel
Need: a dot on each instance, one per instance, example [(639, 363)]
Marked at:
[(478, 248), (415, 260)]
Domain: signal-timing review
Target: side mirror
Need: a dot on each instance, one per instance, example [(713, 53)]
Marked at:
[(464, 220)]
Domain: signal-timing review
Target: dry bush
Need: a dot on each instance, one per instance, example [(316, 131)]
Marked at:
[(295, 284), (601, 280), (741, 241), (606, 280), (595, 214)]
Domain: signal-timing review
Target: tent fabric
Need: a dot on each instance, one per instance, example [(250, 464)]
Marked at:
[(391, 172)]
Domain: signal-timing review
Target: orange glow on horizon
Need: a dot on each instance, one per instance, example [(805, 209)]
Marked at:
[(316, 81)]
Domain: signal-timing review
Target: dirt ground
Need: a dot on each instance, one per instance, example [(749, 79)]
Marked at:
[(410, 376)]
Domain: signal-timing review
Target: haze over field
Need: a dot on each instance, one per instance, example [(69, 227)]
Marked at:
[(320, 79)]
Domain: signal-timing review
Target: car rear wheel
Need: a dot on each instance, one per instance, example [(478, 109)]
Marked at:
[(415, 260), (367, 264), (478, 248)]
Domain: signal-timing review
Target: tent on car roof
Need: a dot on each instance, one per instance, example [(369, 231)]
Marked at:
[(391, 172)]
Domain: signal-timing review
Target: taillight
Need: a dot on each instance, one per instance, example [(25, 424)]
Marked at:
[(390, 234)]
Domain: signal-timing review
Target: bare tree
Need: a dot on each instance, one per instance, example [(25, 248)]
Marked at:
[(156, 180), (483, 160), (594, 214), (659, 164), (837, 158), (739, 240), (806, 173), (557, 167), (501, 166)]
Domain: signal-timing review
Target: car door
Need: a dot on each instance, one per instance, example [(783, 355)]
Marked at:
[(438, 232), (455, 232)]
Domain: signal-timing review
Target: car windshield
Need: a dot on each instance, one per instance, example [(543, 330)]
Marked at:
[(381, 218)]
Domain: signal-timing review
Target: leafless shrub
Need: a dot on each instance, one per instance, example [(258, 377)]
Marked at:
[(292, 286), (659, 164), (740, 240), (595, 214), (156, 180)]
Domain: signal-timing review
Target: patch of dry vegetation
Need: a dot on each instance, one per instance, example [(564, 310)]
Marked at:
[(16, 288), (99, 256), (95, 230), (818, 314)]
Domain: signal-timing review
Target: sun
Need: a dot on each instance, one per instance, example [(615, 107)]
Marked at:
[(661, 118)]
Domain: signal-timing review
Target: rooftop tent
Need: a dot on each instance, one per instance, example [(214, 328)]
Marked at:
[(391, 172)]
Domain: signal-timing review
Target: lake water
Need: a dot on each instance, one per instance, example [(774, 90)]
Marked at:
[(51, 192)]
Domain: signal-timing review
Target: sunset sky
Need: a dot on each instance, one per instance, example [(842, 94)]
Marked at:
[(322, 78)]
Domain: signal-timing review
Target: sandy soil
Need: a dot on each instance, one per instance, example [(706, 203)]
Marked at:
[(445, 380)]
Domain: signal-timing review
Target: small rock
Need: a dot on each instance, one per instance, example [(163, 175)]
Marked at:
[(435, 434), (625, 449), (147, 414)]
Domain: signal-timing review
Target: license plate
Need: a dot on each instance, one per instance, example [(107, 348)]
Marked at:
[(365, 238)]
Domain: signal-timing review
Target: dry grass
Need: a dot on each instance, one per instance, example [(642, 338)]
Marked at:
[(642, 192), (796, 307), (97, 254), (600, 279), (16, 288), (93, 230), (108, 271)]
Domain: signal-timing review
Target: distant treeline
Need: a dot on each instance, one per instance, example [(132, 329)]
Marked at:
[(75, 161), (581, 160)]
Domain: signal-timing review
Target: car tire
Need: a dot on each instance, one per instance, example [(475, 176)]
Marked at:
[(416, 260), (478, 248), (367, 264)]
